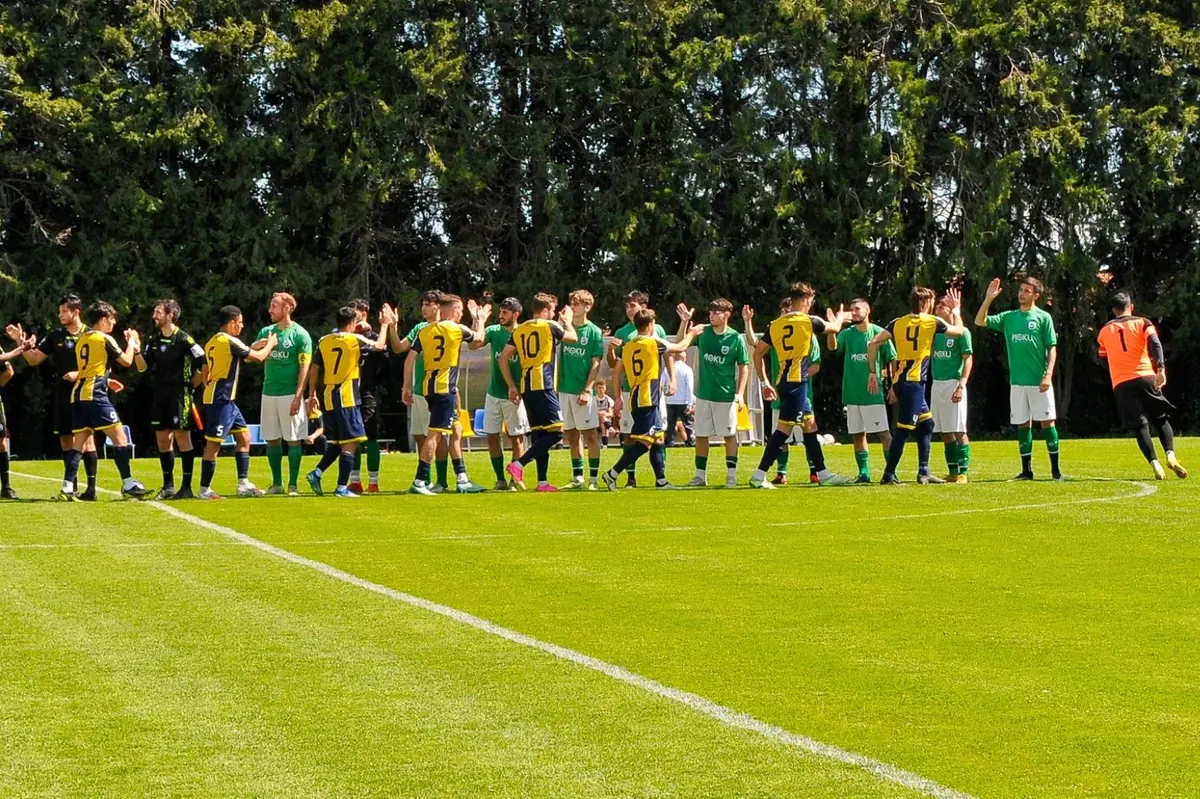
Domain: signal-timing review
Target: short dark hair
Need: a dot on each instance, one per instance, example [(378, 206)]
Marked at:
[(798, 292), (1034, 283), (511, 304), (721, 305), (170, 307), (99, 310), (543, 301), (920, 295), (643, 318), (1120, 302), (72, 301), (434, 296), (227, 314), (449, 299), (346, 315), (640, 297), (359, 305), (863, 300)]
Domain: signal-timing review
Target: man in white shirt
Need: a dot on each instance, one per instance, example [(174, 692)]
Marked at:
[(681, 406)]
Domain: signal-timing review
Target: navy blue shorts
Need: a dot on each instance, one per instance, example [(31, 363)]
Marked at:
[(442, 414), (344, 426), (543, 410), (647, 425), (97, 414), (795, 406), (912, 406), (222, 419)]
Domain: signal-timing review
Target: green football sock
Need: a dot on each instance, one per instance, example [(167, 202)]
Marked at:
[(1051, 436), (1025, 441), (863, 459), (964, 458), (295, 457), (373, 456), (275, 459), (593, 468), (577, 468), (781, 464), (950, 448), (357, 459), (442, 466), (498, 466)]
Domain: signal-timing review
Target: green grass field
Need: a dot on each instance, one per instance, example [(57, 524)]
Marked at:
[(1003, 640)]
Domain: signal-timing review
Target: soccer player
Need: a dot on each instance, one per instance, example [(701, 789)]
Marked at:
[(373, 372), (1032, 347), (1138, 369), (636, 301), (579, 368), (723, 366), (334, 387), (6, 374), (643, 358), (285, 377), (499, 414), (535, 342), (59, 345), (176, 362), (431, 307), (953, 360), (771, 406), (913, 335), (791, 336), (224, 354), (438, 346), (866, 413), (91, 410)]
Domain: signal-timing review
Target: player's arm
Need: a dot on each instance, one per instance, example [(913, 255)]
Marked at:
[(759, 358), (831, 340), (506, 354), (260, 341), (1048, 376), (7, 372), (617, 400), (313, 380), (590, 384), (683, 344), (955, 328), (410, 363), (132, 345), (198, 362), (832, 323), (873, 346), (255, 355), (29, 347), (144, 360), (1154, 348), (748, 321), (400, 345), (993, 291), (685, 317)]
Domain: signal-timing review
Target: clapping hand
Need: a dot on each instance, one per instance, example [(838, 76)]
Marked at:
[(993, 289), (685, 313)]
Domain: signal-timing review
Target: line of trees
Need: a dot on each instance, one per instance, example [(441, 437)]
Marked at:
[(219, 151)]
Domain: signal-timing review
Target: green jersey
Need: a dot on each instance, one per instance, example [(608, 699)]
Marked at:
[(575, 360), (852, 343), (720, 355), (281, 372), (498, 337), (1028, 338), (627, 334), (419, 366), (948, 354)]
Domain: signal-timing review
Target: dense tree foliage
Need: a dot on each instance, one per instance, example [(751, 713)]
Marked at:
[(219, 151)]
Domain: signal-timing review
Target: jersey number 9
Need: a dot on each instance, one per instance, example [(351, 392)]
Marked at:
[(85, 354)]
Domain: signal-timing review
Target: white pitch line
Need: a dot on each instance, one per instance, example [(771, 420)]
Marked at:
[(725, 715)]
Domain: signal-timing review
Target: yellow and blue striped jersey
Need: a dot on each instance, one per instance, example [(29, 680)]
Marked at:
[(536, 342), (339, 356), (439, 345), (913, 336), (791, 337), (93, 351), (644, 362), (225, 354)]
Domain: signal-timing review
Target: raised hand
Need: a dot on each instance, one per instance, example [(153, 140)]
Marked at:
[(994, 289), (685, 313), (747, 313), (954, 296), (566, 315), (15, 333), (696, 330)]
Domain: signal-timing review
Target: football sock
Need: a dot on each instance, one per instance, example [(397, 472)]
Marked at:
[(498, 466), (4, 477), (166, 460), (863, 459), (543, 442), (373, 456), (731, 467), (121, 457), (1146, 443), (812, 470), (1051, 435), (593, 468), (781, 465), (629, 467), (242, 459), (295, 459), (345, 466), (1025, 444), (91, 464), (443, 468), (701, 465), (577, 468), (275, 459), (658, 463), (207, 470), (187, 460), (543, 466), (71, 460), (951, 449), (964, 458), (332, 453), (896, 451), (423, 470), (629, 455), (812, 450), (373, 477), (460, 471), (771, 452), (1166, 434), (924, 445), (356, 470)]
